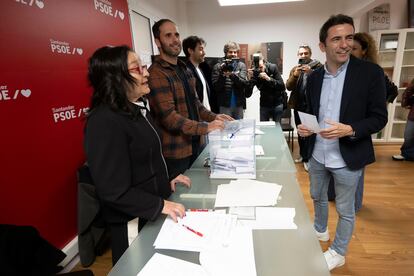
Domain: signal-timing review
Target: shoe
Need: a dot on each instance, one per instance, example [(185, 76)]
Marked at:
[(398, 157), (333, 259), (306, 166), (299, 160), (324, 236)]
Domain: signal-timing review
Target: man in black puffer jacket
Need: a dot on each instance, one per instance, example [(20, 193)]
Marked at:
[(266, 77)]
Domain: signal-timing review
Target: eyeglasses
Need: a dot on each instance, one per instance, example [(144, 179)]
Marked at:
[(138, 69)]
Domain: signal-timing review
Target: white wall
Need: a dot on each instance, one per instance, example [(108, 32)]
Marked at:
[(359, 10), (293, 23), (176, 10)]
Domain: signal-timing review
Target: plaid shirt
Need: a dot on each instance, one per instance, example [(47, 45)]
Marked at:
[(168, 107)]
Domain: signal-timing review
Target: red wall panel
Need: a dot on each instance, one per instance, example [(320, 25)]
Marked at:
[(44, 50)]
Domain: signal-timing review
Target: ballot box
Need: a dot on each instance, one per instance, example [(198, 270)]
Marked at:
[(232, 150)]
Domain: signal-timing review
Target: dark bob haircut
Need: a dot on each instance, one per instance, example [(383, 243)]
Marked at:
[(191, 42), (333, 21), (110, 79)]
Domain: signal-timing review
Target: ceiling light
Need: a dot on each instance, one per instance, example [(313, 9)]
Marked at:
[(251, 2)]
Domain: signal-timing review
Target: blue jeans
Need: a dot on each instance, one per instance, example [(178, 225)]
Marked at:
[(235, 112), (346, 182), (407, 148), (271, 112), (359, 193)]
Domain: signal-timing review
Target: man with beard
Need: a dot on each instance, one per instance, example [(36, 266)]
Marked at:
[(229, 78), (193, 47), (178, 112)]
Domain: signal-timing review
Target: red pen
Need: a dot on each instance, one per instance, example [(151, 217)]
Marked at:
[(192, 230), (199, 210)]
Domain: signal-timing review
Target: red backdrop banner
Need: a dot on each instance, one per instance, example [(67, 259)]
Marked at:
[(44, 49)]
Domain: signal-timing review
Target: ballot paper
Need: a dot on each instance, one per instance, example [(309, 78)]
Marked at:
[(309, 121), (248, 212), (271, 218), (265, 123), (236, 259), (196, 231), (160, 264), (247, 192), (258, 132), (259, 150)]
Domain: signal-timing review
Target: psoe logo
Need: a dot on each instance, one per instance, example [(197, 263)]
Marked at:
[(39, 3), (105, 7), (7, 95), (66, 113), (63, 47)]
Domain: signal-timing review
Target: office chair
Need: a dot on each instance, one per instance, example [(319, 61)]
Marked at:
[(286, 124)]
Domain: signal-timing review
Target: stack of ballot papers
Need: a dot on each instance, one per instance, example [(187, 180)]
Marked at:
[(246, 192), (160, 264), (196, 231), (235, 159)]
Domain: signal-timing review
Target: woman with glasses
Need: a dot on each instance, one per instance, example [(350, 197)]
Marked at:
[(123, 146)]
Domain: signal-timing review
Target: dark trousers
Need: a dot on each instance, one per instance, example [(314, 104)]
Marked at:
[(271, 112), (119, 238), (302, 141), (177, 166)]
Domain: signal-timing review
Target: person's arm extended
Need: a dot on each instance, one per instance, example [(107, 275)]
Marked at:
[(292, 80), (164, 107)]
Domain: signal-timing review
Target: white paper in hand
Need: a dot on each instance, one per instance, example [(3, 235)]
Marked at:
[(309, 121)]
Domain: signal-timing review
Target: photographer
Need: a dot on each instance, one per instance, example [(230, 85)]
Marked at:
[(229, 79), (297, 100), (265, 76)]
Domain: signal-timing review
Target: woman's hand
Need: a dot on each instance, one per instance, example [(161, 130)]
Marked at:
[(184, 180), (174, 210)]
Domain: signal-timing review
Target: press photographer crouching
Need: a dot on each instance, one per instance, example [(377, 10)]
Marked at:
[(266, 77)]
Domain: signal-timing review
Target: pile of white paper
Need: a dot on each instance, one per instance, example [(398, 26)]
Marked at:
[(246, 192), (196, 231), (234, 160)]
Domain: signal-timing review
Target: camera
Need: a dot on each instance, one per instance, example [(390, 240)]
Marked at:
[(228, 65), (256, 66), (302, 61)]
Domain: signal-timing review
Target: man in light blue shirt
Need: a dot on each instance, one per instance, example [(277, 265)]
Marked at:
[(347, 96)]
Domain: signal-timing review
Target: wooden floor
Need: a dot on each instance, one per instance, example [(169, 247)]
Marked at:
[(383, 240)]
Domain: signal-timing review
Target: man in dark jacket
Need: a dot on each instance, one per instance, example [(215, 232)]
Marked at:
[(193, 47), (347, 97), (297, 100), (266, 77), (229, 79)]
